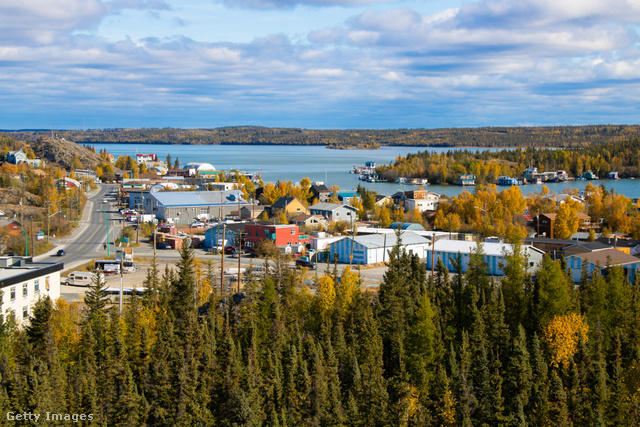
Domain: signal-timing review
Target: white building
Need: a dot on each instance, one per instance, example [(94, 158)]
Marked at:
[(199, 167), (24, 281), (374, 248), (494, 254)]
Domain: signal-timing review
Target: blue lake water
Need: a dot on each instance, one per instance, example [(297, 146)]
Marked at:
[(292, 163)]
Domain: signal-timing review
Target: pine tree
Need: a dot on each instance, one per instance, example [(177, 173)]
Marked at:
[(557, 413), (96, 297), (518, 375)]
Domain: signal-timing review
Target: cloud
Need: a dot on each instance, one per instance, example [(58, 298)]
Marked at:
[(486, 63), (52, 21), (290, 4)]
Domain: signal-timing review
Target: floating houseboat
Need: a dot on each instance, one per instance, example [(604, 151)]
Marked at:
[(589, 176), (613, 175), (465, 180), (507, 180)]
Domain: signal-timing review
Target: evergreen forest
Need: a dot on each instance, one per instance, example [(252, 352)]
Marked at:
[(542, 136), (429, 349)]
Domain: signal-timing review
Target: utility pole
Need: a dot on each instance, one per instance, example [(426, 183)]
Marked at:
[(222, 261), (239, 256), (433, 253), (121, 273), (33, 245), (107, 218)]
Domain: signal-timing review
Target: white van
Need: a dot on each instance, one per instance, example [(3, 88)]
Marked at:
[(80, 278)]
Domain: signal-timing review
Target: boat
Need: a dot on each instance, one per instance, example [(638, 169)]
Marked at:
[(401, 180)]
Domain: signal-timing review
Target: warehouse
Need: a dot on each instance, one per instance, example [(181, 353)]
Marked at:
[(186, 206), (494, 254), (374, 248)]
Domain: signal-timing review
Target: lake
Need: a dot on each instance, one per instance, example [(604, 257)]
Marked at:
[(292, 163)]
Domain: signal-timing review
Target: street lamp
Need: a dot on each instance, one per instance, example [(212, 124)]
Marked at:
[(107, 219)]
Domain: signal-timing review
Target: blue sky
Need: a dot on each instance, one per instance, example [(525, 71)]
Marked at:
[(318, 63)]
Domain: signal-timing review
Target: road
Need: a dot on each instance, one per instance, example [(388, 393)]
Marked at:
[(87, 241)]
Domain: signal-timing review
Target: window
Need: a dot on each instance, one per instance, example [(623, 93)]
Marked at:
[(13, 293), (266, 231), (25, 312), (25, 290), (36, 286), (293, 231)]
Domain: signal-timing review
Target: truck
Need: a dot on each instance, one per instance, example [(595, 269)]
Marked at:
[(79, 278), (147, 218)]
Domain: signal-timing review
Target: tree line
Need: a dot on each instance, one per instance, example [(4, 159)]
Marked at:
[(442, 349), (548, 136), (445, 168)]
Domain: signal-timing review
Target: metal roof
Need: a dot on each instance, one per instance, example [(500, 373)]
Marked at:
[(198, 198), (614, 256), (466, 247), (330, 206), (373, 241)]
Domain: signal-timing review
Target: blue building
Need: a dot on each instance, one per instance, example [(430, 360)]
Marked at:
[(406, 226), (213, 236)]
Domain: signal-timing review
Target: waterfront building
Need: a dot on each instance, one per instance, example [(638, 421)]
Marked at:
[(465, 180)]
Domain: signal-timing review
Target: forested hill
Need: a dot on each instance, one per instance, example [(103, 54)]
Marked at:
[(550, 136)]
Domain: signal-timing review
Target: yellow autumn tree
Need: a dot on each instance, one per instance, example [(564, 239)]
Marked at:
[(562, 335), (326, 296), (566, 222), (348, 287), (67, 317)]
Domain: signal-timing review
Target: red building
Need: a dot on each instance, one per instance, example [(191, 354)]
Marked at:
[(281, 234)]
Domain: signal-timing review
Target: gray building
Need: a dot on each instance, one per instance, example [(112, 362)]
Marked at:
[(185, 206), (333, 212)]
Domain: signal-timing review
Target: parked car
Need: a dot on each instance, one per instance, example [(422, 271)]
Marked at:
[(60, 252), (163, 245), (300, 263), (197, 225), (229, 250)]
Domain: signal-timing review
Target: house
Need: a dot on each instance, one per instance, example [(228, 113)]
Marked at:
[(320, 192), (12, 226), (16, 157), (334, 212), (546, 223), (553, 247), (185, 206), (530, 174), (382, 200), (67, 183), (143, 158), (628, 246), (290, 205), (309, 221), (589, 175), (601, 261), (374, 248), (253, 211), (613, 175), (558, 199), (24, 281), (507, 180), (280, 234), (465, 180), (493, 255), (213, 235)]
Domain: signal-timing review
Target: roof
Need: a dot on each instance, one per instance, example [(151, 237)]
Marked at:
[(21, 269), (304, 217), (373, 241), (623, 243), (466, 247), (554, 215), (283, 202), (330, 207), (591, 246), (199, 198), (319, 188), (234, 227), (612, 256), (406, 226)]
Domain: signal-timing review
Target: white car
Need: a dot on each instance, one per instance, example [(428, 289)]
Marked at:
[(197, 225)]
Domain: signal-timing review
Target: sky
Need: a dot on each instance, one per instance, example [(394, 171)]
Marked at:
[(318, 64)]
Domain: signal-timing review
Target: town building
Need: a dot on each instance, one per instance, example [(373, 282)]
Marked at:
[(334, 212), (232, 232), (628, 246), (16, 157), (280, 234), (145, 157), (253, 211), (67, 183), (290, 206), (24, 281), (465, 180), (602, 260), (493, 255), (583, 247), (185, 206), (374, 248), (406, 226), (546, 223), (320, 192), (345, 196), (309, 221)]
